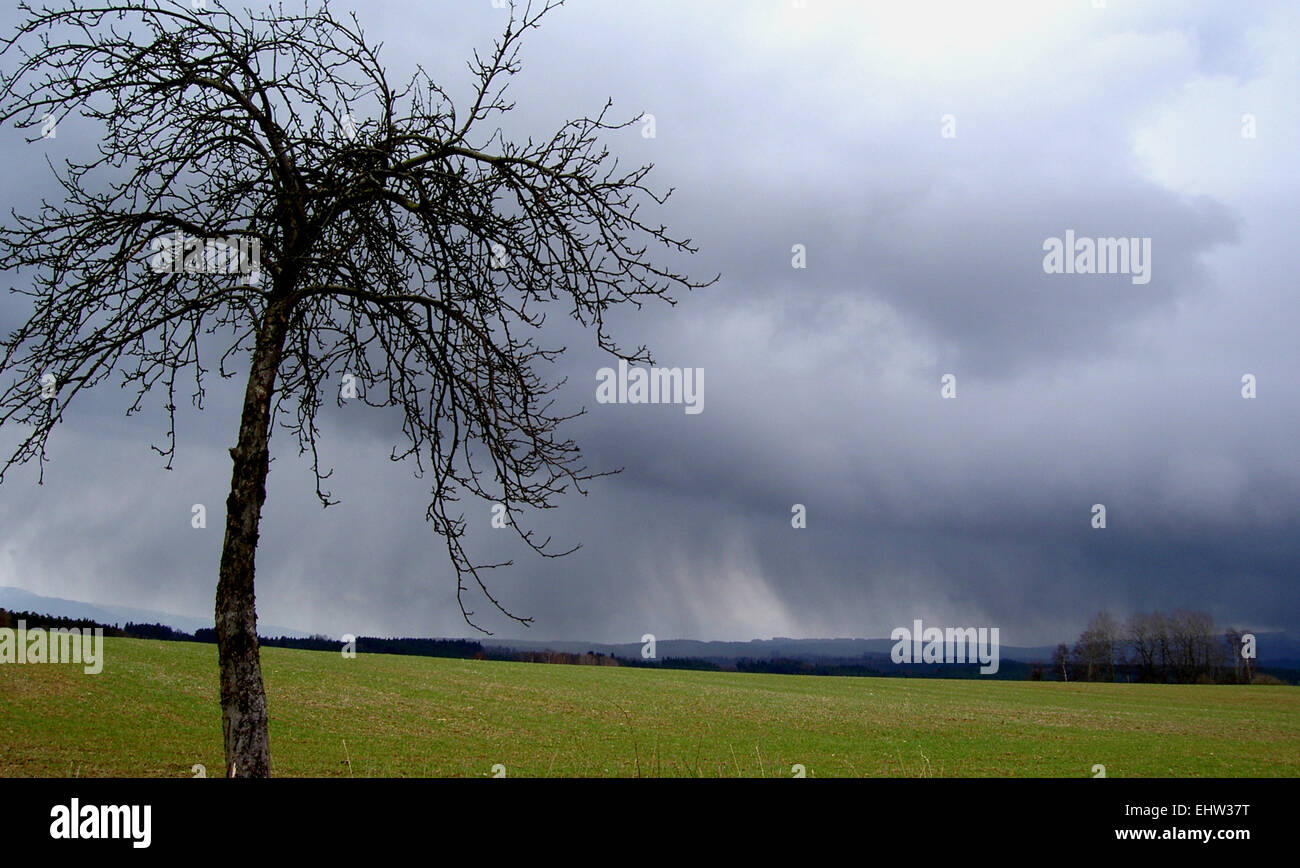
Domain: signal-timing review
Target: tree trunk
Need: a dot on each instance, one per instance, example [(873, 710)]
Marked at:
[(243, 696)]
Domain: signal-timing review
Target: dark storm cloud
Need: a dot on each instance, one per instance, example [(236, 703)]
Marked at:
[(822, 384)]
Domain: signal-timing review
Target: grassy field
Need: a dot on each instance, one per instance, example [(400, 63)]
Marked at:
[(153, 712)]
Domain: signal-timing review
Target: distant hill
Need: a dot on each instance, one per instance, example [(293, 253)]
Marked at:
[(755, 649), (19, 600), (1275, 649)]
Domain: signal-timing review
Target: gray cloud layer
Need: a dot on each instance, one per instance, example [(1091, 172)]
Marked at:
[(822, 127)]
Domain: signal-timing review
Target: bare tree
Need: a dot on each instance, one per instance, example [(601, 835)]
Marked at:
[(1142, 631), (1097, 647), (1243, 666), (1162, 633), (1193, 646), (1061, 661), (379, 232)]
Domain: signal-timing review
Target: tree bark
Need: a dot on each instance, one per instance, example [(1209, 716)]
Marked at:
[(243, 695)]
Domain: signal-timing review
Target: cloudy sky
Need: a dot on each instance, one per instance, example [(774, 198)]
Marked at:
[(922, 153)]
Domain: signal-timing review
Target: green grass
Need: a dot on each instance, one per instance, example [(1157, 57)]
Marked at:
[(153, 712)]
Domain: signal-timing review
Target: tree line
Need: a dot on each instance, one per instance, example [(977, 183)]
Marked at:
[(1182, 647), (1179, 647)]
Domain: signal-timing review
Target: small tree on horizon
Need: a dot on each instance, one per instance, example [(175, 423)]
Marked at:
[(402, 243), (1061, 661)]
